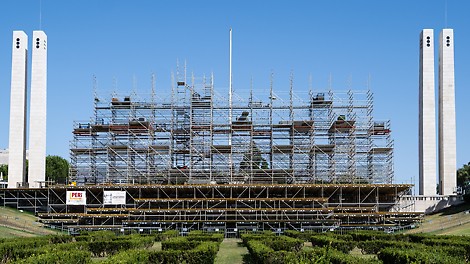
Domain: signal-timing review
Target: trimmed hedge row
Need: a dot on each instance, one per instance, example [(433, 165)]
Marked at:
[(19, 249), (275, 242), (206, 237), (180, 243), (96, 236), (415, 255), (99, 244), (305, 236), (166, 235), (262, 254), (374, 246), (56, 257), (341, 245), (284, 243), (461, 246), (256, 236), (104, 248), (204, 253)]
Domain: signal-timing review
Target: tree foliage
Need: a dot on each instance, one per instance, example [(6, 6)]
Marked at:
[(57, 169), (4, 171), (463, 176)]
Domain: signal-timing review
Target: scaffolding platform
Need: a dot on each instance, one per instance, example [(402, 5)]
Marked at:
[(200, 206)]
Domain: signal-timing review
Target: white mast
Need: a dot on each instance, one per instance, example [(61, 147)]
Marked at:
[(230, 107), (230, 79)]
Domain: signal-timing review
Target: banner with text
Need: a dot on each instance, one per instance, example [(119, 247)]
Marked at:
[(76, 198), (114, 197)]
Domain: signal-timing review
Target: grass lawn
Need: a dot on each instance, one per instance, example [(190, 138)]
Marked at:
[(8, 232), (451, 221), (358, 253), (460, 230), (157, 246), (14, 223), (231, 252)]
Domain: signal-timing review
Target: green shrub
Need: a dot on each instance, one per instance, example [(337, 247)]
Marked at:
[(16, 249), (58, 257), (82, 246), (204, 253), (256, 236), (338, 257), (133, 256), (418, 238), (180, 243), (206, 237), (374, 246), (166, 235), (371, 235), (413, 255), (105, 248), (259, 252), (341, 245), (59, 239), (283, 243), (453, 245), (262, 254), (96, 236)]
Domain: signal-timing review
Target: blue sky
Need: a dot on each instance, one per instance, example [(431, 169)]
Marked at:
[(126, 41)]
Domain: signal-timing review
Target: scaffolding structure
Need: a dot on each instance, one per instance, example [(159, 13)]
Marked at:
[(229, 208), (190, 159), (187, 137)]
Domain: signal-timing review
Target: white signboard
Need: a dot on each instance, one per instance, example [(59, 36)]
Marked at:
[(76, 198), (114, 197)]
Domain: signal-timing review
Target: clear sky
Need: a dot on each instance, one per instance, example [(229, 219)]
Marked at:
[(126, 41)]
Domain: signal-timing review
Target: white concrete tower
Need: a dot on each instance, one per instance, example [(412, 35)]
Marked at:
[(447, 133), (17, 139), (427, 115), (37, 117)]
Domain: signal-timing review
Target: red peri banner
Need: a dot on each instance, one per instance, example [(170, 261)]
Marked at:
[(76, 198)]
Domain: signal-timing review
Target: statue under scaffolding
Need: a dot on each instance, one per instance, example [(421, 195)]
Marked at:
[(188, 138)]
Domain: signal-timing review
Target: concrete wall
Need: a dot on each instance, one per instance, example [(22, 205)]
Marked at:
[(17, 138), (427, 203), (427, 115), (37, 123), (447, 134)]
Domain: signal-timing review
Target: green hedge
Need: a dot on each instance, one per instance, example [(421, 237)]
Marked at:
[(256, 236), (452, 245), (96, 236), (59, 239), (259, 252), (262, 254), (341, 245), (207, 237), (105, 248), (373, 235), (374, 246), (180, 243), (204, 253), (305, 236), (133, 256), (277, 243), (19, 249), (166, 235), (337, 257), (58, 257), (395, 255), (284, 243)]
